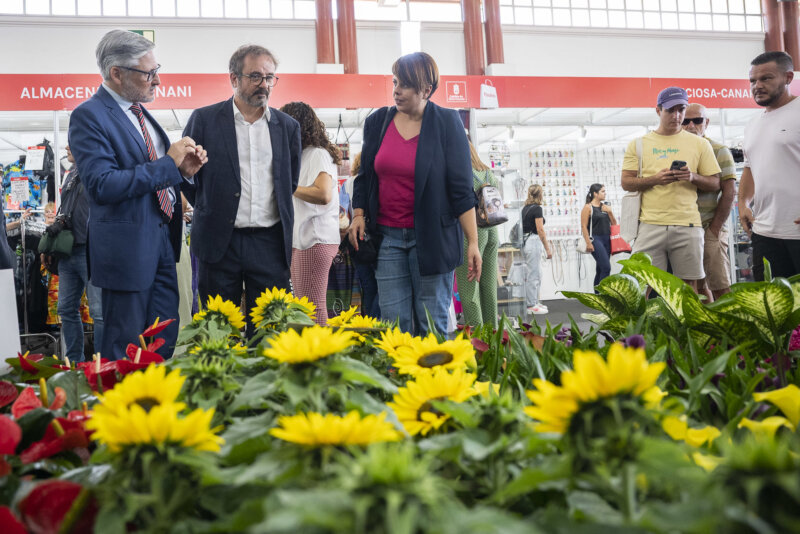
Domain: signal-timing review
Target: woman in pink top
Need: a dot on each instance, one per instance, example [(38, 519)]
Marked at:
[(414, 193)]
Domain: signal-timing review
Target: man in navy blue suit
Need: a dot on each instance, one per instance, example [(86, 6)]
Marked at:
[(132, 175), (243, 212)]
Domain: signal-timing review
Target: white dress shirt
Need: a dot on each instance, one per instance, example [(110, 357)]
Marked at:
[(257, 204), (158, 143)]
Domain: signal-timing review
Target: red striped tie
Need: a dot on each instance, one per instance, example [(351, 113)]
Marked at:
[(163, 195)]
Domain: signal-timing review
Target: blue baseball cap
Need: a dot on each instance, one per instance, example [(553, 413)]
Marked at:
[(672, 96)]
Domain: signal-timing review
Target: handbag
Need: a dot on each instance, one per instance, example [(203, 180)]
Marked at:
[(581, 245), (57, 240), (618, 244), (632, 204), (490, 210)]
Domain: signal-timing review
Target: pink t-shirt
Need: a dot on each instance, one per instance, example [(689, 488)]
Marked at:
[(394, 165)]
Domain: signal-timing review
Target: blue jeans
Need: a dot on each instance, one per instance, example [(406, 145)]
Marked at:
[(72, 281), (602, 257), (369, 289), (403, 293)]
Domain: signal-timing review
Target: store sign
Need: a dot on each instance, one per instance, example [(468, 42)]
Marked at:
[(34, 159), (20, 190), (456, 92), (32, 92)]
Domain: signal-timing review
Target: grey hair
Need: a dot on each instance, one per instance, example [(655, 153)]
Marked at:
[(236, 64), (120, 48)]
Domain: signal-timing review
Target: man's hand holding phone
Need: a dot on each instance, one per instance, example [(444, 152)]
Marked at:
[(680, 171)]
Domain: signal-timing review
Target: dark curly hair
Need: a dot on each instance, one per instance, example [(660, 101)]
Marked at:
[(312, 130)]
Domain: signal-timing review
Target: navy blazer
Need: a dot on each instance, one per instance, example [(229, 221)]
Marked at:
[(125, 221), (442, 184), (217, 187)]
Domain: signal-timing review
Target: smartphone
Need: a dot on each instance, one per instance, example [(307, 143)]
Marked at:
[(677, 165)]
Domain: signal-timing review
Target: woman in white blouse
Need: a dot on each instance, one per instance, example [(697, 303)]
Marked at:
[(315, 239)]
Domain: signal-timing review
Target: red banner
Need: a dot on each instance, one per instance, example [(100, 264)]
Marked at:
[(23, 92)]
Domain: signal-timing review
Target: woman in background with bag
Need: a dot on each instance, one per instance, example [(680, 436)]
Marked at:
[(315, 241), (596, 221), (479, 297)]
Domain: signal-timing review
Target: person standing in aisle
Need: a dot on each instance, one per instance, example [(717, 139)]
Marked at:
[(532, 248), (131, 173), (365, 271), (675, 165), (413, 190), (479, 297), (315, 239), (243, 211), (715, 207), (73, 277), (771, 168), (598, 217)]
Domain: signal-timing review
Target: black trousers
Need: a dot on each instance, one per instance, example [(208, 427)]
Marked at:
[(255, 259), (783, 256)]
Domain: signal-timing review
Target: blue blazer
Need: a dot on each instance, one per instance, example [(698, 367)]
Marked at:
[(124, 217), (217, 187), (442, 184)]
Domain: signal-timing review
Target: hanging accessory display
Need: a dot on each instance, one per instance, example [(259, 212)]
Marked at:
[(581, 246), (344, 147), (632, 204), (618, 245), (490, 210)]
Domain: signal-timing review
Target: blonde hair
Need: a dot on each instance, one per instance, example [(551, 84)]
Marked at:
[(355, 164), (50, 206), (477, 164), (535, 195)]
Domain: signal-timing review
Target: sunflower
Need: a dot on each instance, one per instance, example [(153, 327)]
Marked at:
[(315, 429), (280, 298), (625, 373), (313, 343), (423, 355), (392, 339), (224, 308), (146, 389), (412, 403), (362, 321), (343, 318), (160, 425)]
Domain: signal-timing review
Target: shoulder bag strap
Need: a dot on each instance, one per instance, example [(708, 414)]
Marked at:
[(591, 216)]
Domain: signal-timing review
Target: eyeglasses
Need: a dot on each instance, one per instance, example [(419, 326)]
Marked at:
[(697, 120), (256, 79), (149, 73)]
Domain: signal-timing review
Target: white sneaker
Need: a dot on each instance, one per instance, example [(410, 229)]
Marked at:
[(538, 310)]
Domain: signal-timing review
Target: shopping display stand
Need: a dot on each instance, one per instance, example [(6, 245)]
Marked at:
[(32, 342)]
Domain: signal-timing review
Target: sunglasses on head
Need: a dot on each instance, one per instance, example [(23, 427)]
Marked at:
[(697, 120)]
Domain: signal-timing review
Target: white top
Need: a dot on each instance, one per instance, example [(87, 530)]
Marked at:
[(314, 223), (158, 143), (257, 204), (772, 151)]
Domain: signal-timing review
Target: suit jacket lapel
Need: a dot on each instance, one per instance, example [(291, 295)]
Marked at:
[(425, 147), (124, 121), (276, 136), (227, 130)]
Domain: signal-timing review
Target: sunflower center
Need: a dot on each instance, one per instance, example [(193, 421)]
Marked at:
[(427, 407), (147, 403), (432, 359)]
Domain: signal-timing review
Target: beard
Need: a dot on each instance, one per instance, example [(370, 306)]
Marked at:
[(771, 98), (252, 99)]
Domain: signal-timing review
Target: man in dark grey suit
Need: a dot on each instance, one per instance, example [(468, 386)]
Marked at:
[(243, 214)]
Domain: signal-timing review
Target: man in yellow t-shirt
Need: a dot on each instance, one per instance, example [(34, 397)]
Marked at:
[(675, 165)]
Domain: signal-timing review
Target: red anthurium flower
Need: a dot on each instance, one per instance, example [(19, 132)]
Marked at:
[(10, 435), (156, 344), (61, 435), (44, 508), (505, 337), (107, 372), (157, 327), (11, 524), (23, 362), (145, 358), (479, 345), (8, 392), (79, 416), (27, 401), (536, 341)]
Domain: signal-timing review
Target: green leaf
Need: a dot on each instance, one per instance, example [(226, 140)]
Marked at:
[(625, 289), (668, 286), (361, 373), (770, 303), (585, 505), (605, 303), (33, 425), (256, 390), (555, 474), (596, 318), (76, 387)]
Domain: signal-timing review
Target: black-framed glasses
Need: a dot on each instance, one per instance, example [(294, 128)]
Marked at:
[(256, 79), (149, 73), (697, 120)]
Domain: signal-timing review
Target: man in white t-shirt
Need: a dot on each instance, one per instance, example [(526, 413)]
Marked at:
[(770, 181)]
